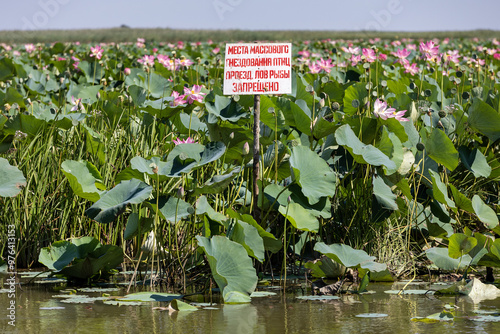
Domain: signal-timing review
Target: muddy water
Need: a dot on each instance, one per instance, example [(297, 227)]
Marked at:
[(38, 312)]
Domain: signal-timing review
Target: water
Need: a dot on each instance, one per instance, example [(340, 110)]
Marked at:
[(273, 314)]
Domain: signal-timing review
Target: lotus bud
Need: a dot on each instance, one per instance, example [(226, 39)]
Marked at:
[(180, 192), (246, 148), (231, 135)]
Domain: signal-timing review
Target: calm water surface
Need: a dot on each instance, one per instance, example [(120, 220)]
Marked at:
[(273, 314)]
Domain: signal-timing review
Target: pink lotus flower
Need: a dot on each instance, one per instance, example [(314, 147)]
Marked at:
[(193, 94), (77, 104), (96, 52), (412, 69), (355, 59), (380, 109), (185, 62), (452, 56), (140, 43), (215, 50), (171, 64), (369, 55), (496, 56), (76, 62), (314, 68), (430, 51), (351, 50), (178, 99), (399, 116), (148, 61), (325, 65), (29, 48), (382, 56), (126, 71), (401, 54), (179, 141), (304, 53), (429, 48)]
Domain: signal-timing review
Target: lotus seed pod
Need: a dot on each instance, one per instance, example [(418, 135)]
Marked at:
[(355, 103), (442, 114), (335, 106), (420, 147)]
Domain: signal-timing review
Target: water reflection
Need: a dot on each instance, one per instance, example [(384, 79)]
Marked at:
[(264, 315)]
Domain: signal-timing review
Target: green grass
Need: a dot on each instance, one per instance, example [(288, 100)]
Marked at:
[(172, 35)]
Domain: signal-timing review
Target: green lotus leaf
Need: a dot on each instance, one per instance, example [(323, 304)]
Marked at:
[(485, 214), (358, 92), (384, 195), (134, 225), (248, 236), (349, 257), (460, 244), (441, 149), (113, 203), (58, 255), (461, 200), (231, 267), (301, 218), (217, 183), (226, 109), (362, 153), (178, 305), (484, 119), (12, 179), (270, 242), (312, 173), (150, 297), (440, 191), (172, 209), (475, 161), (440, 257), (84, 179)]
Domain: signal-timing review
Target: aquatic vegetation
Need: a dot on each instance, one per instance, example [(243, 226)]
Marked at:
[(382, 151)]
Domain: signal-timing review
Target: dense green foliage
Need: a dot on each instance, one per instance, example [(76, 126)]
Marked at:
[(388, 147)]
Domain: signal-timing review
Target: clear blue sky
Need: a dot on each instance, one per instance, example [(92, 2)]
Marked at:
[(383, 15)]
